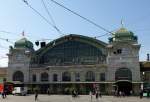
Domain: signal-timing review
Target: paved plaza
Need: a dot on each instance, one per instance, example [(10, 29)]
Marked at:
[(68, 98)]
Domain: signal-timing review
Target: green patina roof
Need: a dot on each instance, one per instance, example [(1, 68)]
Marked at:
[(23, 43), (123, 35), (123, 32)]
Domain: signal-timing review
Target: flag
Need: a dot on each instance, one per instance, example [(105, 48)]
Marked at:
[(122, 23), (22, 33)]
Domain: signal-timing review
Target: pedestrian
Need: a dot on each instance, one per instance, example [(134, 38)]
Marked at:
[(96, 94), (36, 95), (90, 93), (141, 94), (100, 95), (3, 95), (120, 93), (131, 92), (148, 93), (48, 91)]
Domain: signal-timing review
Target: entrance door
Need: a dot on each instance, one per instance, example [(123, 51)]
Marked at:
[(125, 87)]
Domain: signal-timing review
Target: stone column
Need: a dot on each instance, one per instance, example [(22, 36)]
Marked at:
[(38, 77), (82, 76), (60, 76), (97, 74), (72, 76), (50, 77)]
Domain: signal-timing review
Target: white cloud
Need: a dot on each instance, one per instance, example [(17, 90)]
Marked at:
[(4, 62)]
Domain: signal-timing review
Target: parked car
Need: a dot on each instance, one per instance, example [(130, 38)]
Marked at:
[(20, 91)]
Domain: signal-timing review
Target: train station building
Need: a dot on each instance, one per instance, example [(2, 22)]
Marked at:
[(79, 62)]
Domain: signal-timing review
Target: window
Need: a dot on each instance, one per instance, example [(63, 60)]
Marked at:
[(77, 76), (102, 76), (72, 52), (55, 77), (34, 78), (90, 76), (123, 74), (44, 76), (18, 76), (66, 76), (119, 51)]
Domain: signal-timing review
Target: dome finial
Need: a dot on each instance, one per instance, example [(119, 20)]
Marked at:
[(23, 34), (122, 24)]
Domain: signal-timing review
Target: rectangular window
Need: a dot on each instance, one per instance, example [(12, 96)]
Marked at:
[(77, 76), (102, 76), (34, 78)]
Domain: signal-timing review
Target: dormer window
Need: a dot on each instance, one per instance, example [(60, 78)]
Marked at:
[(119, 51)]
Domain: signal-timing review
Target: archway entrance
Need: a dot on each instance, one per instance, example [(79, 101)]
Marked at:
[(123, 77), (124, 86)]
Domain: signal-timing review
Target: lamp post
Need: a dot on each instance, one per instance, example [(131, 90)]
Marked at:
[(143, 78)]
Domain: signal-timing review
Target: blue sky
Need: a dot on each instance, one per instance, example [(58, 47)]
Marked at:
[(16, 17)]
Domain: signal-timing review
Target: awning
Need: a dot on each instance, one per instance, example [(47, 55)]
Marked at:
[(68, 82)]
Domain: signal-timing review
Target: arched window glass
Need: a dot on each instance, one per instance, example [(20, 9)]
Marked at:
[(44, 76), (72, 52), (34, 78), (123, 74), (66, 76), (18, 76), (90, 76), (55, 77)]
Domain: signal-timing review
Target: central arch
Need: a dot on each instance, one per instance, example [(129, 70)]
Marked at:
[(123, 77), (18, 76)]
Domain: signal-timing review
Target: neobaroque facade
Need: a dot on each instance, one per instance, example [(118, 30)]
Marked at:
[(78, 62)]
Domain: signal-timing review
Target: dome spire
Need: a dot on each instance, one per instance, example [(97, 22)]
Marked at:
[(23, 34), (122, 24)]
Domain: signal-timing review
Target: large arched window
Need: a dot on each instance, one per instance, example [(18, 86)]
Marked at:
[(55, 77), (66, 76), (44, 76), (72, 52), (123, 74), (18, 76), (90, 76)]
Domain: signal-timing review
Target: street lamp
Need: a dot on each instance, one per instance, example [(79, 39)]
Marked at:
[(143, 78)]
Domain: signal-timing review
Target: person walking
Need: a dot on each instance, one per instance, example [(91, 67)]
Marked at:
[(96, 94), (141, 94), (48, 91), (100, 94), (36, 95), (90, 93), (3, 95)]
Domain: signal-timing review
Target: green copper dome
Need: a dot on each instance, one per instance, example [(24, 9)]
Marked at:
[(23, 43), (123, 35), (123, 32)]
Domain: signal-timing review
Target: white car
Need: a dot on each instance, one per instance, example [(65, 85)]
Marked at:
[(20, 91)]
